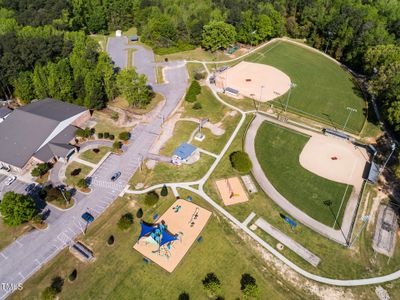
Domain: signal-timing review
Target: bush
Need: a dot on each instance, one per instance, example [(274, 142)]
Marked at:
[(106, 135), (193, 91), (100, 135), (82, 183), (164, 191), (76, 172), (96, 150), (85, 133), (197, 105), (151, 198), (249, 286), (199, 75), (125, 221), (49, 293), (184, 296), (73, 275), (40, 170), (240, 161), (110, 240), (114, 116), (124, 136), (54, 195), (117, 145), (212, 284), (111, 137), (139, 213)]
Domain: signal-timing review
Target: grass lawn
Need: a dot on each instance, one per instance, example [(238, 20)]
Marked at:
[(357, 262), (101, 39), (167, 173), (73, 180), (195, 54), (160, 75), (323, 90), (8, 234), (122, 103), (105, 124), (278, 150), (120, 273), (182, 132), (211, 107), (194, 68), (93, 157)]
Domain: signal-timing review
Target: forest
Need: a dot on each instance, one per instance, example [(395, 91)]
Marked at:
[(41, 38)]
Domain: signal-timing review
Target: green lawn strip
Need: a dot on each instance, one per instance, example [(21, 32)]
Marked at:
[(169, 173), (160, 75), (105, 124), (278, 150), (195, 54), (8, 234), (73, 180), (211, 107), (323, 89), (182, 132), (93, 157), (130, 53), (336, 260), (120, 273)]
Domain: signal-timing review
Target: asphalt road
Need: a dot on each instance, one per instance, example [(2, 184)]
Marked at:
[(27, 254)]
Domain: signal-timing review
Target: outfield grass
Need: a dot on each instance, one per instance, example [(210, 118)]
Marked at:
[(73, 180), (323, 90), (278, 150), (120, 273), (91, 156)]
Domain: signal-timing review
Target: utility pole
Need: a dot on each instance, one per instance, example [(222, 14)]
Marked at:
[(329, 39), (291, 86), (393, 146), (350, 109)]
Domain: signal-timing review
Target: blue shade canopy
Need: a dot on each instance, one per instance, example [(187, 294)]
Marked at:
[(146, 229), (158, 232)]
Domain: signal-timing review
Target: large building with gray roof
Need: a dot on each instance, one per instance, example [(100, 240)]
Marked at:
[(39, 132)]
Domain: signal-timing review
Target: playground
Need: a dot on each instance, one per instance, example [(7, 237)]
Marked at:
[(253, 80), (168, 240), (231, 191)]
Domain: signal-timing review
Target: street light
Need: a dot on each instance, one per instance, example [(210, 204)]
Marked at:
[(329, 39), (291, 86), (393, 147), (329, 203), (350, 109)]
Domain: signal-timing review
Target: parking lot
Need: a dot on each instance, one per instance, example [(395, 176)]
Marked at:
[(17, 186)]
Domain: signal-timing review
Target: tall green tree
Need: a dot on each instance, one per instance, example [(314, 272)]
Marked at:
[(133, 87), (218, 35), (17, 208), (23, 87)]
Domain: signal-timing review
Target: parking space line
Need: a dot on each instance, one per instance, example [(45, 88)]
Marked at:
[(19, 243), (4, 256), (22, 276)]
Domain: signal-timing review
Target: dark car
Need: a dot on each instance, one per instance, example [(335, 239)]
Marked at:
[(115, 176), (29, 188), (88, 217)]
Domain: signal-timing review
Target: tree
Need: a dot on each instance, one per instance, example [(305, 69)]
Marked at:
[(193, 91), (17, 208), (82, 183), (240, 161), (72, 276), (125, 221), (197, 106), (249, 286), (211, 284), (151, 198), (139, 213), (23, 87), (110, 240), (124, 136), (40, 170), (117, 145), (164, 191), (183, 296), (218, 35), (133, 87)]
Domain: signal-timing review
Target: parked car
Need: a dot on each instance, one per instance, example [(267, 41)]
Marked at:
[(10, 180), (115, 176), (5, 168), (29, 188), (88, 217)]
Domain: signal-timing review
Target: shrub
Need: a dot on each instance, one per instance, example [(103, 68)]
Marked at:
[(193, 91), (100, 135), (139, 213), (76, 172), (249, 286), (184, 296), (49, 293), (85, 133), (124, 136), (110, 240), (40, 170), (96, 150), (125, 221), (82, 183), (114, 116), (197, 105), (106, 135), (212, 284), (117, 145), (240, 161), (151, 198), (164, 191), (111, 137), (73, 275), (199, 75)]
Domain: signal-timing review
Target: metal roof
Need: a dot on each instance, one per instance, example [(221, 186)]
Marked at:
[(184, 151)]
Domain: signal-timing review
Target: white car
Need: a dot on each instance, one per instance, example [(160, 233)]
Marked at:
[(11, 180)]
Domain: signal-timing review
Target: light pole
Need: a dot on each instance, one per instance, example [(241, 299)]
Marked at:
[(328, 203), (291, 86), (329, 39), (350, 109), (393, 146), (364, 219), (261, 90)]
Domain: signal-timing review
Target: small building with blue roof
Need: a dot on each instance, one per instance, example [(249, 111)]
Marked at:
[(184, 153)]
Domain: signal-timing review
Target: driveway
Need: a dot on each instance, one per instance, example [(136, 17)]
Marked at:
[(29, 253)]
